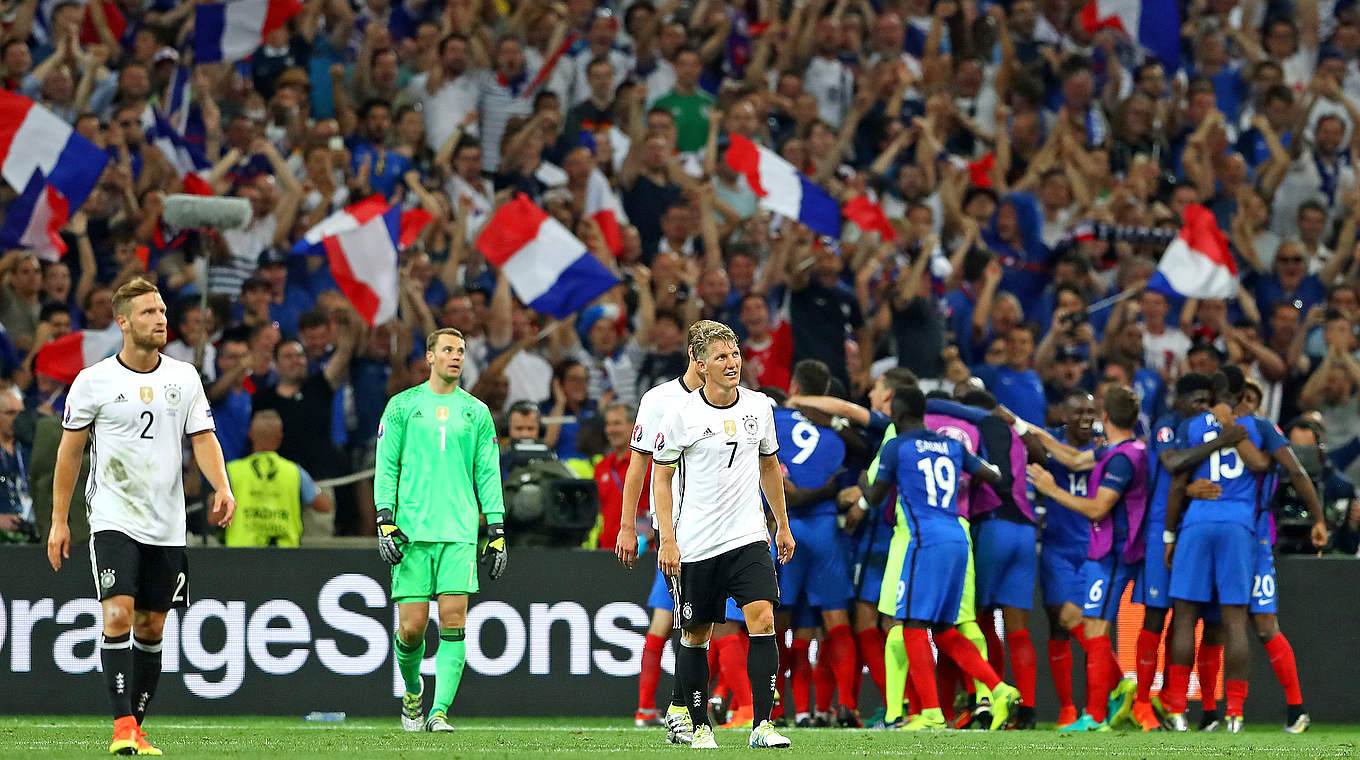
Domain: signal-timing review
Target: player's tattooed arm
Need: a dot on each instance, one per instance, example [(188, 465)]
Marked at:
[(1177, 461)]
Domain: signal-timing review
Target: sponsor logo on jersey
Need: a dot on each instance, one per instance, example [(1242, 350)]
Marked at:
[(172, 395), (749, 424), (441, 413), (417, 415), (147, 394), (730, 427), (121, 398), (107, 578), (1164, 435)]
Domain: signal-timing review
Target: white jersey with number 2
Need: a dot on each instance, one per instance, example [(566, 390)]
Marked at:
[(138, 421)]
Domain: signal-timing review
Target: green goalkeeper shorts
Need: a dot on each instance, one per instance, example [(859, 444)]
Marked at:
[(432, 568), (894, 584)]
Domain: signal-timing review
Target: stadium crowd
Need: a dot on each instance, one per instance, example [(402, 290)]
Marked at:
[(1027, 165)]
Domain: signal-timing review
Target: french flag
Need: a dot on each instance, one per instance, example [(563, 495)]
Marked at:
[(869, 216), (363, 262), (603, 206), (186, 159), (782, 189), (233, 30), (549, 269), (1154, 24), (1198, 263), (177, 94), (34, 221), (355, 216), (63, 358), (33, 138)]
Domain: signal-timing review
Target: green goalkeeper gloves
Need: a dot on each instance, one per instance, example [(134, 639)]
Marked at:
[(390, 538), (493, 554)]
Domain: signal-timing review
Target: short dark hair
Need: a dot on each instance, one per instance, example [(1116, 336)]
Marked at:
[(980, 399), (909, 403), (813, 376), (1312, 204), (1192, 382), (372, 103), (53, 308), (899, 377), (312, 318), (523, 406), (443, 43), (1121, 406)]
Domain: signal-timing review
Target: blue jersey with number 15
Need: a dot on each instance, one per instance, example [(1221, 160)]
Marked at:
[(811, 455), (1224, 468)]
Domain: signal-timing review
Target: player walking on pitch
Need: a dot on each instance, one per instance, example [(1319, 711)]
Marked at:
[(437, 461), (139, 404), (721, 445)]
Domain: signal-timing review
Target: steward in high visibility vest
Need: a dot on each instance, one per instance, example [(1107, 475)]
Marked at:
[(270, 490)]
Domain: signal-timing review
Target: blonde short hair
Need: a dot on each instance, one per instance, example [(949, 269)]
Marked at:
[(122, 298), (710, 332)]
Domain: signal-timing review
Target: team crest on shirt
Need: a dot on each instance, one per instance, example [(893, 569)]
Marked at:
[(1164, 435), (172, 395), (730, 427), (441, 413), (107, 578), (467, 414), (749, 424), (686, 612), (147, 394)]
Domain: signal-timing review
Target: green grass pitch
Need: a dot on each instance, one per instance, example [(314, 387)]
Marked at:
[(58, 737)]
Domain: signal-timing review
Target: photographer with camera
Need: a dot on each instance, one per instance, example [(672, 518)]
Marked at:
[(1307, 437), (546, 501)]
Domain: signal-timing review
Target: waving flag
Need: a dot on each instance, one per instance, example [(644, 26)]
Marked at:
[(186, 159), (1153, 24), (177, 96), (63, 358), (355, 216), (603, 206), (782, 189), (1198, 263), (869, 216), (548, 268), (35, 220), (233, 30), (33, 138)]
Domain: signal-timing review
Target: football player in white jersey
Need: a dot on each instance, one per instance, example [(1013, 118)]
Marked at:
[(652, 410), (720, 445), (139, 404)]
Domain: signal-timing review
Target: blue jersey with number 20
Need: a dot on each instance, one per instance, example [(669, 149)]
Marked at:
[(1225, 468), (926, 467), (811, 454)]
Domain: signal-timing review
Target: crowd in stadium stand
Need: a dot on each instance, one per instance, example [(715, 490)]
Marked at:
[(1028, 167)]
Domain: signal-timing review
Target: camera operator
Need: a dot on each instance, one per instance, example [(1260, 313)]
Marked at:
[(1342, 510)]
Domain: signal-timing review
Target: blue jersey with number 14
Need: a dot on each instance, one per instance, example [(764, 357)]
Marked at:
[(811, 455), (1224, 468)]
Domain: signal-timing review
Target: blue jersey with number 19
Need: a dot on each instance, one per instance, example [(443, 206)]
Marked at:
[(812, 455), (926, 467), (1225, 468)]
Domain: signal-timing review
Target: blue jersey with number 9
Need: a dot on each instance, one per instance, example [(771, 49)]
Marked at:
[(1224, 468), (926, 467), (811, 455)]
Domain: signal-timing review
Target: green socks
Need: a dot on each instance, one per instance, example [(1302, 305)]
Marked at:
[(408, 662), (895, 673), (448, 667)]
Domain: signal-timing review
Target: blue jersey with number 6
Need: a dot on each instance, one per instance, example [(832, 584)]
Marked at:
[(926, 467), (1224, 468), (811, 454)]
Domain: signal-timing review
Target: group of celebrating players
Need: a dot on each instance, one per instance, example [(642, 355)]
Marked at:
[(951, 476), (981, 506)]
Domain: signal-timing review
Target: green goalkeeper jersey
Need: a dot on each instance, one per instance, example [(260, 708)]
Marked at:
[(438, 465)]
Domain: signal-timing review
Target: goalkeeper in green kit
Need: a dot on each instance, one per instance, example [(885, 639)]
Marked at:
[(437, 473)]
